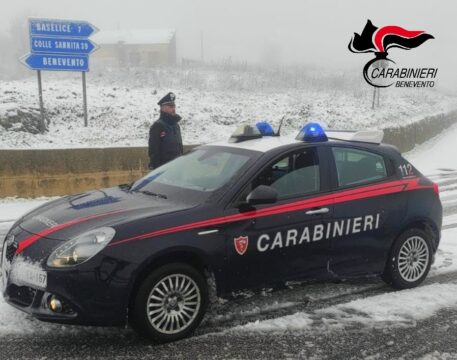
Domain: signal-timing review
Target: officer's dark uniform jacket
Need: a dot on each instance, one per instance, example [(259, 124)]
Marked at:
[(165, 142)]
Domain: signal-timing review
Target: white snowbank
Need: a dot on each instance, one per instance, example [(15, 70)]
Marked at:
[(298, 321), (400, 308), (397, 308)]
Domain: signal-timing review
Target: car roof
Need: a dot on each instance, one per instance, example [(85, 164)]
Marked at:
[(268, 143), (263, 144)]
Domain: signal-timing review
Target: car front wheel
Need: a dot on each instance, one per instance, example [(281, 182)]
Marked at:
[(170, 303), (410, 260)]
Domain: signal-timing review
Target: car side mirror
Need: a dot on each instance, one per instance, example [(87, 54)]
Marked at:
[(262, 194)]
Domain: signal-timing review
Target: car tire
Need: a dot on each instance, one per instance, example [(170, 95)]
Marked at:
[(409, 260), (170, 303)]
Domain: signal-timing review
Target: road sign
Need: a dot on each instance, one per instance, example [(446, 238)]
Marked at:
[(55, 62), (60, 45), (63, 28)]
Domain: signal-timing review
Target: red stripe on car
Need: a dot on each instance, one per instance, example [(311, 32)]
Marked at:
[(330, 199), (35, 237)]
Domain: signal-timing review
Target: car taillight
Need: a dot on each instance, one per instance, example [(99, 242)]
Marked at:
[(436, 189)]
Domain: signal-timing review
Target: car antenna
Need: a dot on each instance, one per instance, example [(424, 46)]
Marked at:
[(278, 133)]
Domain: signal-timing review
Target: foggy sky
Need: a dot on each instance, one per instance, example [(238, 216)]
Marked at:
[(257, 31)]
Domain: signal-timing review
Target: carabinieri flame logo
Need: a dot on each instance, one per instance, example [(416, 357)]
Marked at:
[(379, 40)]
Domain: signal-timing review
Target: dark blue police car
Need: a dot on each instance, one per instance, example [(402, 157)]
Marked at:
[(250, 212)]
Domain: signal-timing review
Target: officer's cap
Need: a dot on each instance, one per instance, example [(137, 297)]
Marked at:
[(167, 99)]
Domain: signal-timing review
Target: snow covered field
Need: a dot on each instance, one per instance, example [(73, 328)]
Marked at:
[(211, 102)]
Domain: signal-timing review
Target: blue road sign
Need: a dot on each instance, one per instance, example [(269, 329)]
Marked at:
[(60, 45), (55, 62), (64, 28)]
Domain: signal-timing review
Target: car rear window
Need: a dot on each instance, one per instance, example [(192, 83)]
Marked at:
[(358, 166)]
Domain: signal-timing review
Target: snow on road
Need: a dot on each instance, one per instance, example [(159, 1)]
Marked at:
[(401, 308), (395, 308), (437, 155), (294, 322)]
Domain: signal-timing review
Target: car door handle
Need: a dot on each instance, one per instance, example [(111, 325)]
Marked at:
[(207, 232), (317, 211)]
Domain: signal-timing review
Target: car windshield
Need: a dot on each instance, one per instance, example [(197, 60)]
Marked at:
[(205, 169)]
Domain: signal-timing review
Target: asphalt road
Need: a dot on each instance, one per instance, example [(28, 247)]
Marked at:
[(433, 337), (215, 340)]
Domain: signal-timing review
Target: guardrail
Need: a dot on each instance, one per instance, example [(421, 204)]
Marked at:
[(54, 172), (408, 136)]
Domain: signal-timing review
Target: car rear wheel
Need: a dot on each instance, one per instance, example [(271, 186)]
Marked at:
[(170, 303), (410, 260)]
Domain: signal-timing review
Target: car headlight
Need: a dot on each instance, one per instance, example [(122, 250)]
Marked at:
[(81, 248)]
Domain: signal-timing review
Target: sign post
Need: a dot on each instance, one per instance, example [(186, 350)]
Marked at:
[(60, 45), (40, 96), (84, 99)]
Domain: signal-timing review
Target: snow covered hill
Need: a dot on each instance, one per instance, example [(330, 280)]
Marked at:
[(212, 102)]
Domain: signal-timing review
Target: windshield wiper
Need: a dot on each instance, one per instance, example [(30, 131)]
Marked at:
[(147, 192)]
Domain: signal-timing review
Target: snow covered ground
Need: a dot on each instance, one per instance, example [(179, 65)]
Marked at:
[(211, 102)]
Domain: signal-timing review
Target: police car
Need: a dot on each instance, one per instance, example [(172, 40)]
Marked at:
[(256, 210)]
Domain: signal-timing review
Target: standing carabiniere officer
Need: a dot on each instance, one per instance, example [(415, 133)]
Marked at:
[(165, 142)]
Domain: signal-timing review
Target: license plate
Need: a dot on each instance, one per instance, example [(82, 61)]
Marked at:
[(28, 274)]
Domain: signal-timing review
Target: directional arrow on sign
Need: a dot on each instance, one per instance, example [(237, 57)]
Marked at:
[(65, 28), (50, 44), (56, 62)]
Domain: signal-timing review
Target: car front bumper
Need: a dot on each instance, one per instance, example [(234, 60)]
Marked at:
[(96, 294)]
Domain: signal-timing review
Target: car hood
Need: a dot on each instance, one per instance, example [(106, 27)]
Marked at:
[(63, 218)]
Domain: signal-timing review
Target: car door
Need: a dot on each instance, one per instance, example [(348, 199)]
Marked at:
[(284, 240), (366, 211)]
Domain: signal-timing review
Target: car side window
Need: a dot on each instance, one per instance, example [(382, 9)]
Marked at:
[(358, 166), (293, 175)]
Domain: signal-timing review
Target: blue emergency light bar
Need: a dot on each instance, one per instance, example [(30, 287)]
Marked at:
[(250, 132), (265, 128), (312, 132)]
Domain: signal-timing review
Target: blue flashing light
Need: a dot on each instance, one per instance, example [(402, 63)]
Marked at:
[(312, 132), (265, 128)]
